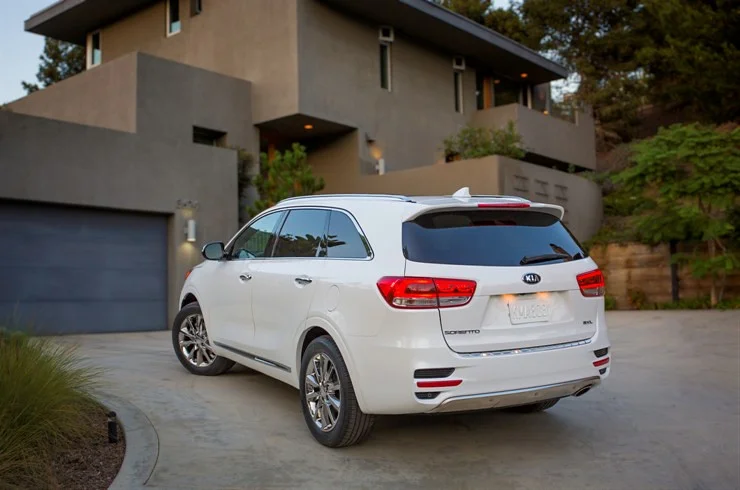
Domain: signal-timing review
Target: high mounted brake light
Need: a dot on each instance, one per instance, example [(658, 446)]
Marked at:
[(510, 205), (426, 292)]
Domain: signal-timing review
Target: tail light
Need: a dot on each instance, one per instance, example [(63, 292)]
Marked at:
[(591, 283), (426, 292)]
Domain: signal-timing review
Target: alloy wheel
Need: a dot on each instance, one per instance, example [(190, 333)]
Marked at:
[(193, 341), (323, 392)]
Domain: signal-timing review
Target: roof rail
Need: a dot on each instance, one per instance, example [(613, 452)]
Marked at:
[(345, 196)]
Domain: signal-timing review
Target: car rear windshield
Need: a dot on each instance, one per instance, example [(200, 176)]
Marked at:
[(489, 238)]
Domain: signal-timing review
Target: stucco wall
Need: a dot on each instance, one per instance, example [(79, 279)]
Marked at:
[(340, 81), (254, 40), (56, 162), (104, 97)]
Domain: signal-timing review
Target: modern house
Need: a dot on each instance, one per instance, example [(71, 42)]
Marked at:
[(134, 153)]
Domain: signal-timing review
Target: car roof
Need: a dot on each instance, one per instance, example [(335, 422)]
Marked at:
[(421, 204)]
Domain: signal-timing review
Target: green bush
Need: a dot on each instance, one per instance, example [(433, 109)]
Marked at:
[(610, 303), (482, 142), (45, 404)]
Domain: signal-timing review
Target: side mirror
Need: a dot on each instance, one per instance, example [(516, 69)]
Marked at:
[(213, 251)]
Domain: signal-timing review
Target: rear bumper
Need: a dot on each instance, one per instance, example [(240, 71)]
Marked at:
[(521, 396), (384, 376)]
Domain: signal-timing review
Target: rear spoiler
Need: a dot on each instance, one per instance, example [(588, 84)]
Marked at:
[(495, 203)]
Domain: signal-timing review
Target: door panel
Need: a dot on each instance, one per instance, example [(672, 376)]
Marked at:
[(284, 286)]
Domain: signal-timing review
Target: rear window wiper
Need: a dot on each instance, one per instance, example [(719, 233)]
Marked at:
[(543, 258)]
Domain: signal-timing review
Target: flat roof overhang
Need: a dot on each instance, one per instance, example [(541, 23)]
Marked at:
[(71, 20), (457, 35)]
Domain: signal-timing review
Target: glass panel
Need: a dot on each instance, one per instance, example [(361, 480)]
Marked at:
[(487, 238), (174, 9), (343, 240), (385, 55), (458, 92), (257, 240), (303, 234), (506, 92), (97, 54), (541, 97)]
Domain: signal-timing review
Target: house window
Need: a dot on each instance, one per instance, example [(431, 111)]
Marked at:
[(458, 80), (173, 17), (209, 137), (196, 7), (94, 54), (385, 66), (505, 92)]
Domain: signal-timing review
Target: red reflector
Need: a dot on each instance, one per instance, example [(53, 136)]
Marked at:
[(426, 292), (187, 274), (591, 283), (601, 362), (444, 383), (518, 205)]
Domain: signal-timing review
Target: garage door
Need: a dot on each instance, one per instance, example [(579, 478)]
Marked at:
[(78, 270)]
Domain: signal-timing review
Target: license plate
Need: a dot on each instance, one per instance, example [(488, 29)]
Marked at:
[(529, 311)]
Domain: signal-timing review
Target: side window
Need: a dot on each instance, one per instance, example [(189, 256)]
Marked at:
[(302, 234), (258, 239), (343, 239)]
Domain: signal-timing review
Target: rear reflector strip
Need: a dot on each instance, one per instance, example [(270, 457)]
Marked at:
[(601, 362), (510, 205), (433, 373), (443, 383)]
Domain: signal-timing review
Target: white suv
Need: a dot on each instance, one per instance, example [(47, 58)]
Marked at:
[(379, 304)]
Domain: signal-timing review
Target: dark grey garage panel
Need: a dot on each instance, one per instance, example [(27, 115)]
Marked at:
[(76, 270)]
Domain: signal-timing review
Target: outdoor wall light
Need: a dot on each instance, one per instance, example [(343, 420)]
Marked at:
[(308, 127), (524, 75), (190, 230)]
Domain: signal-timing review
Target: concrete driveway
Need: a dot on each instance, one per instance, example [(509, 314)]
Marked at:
[(667, 418)]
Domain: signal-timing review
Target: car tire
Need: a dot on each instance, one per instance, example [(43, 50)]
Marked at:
[(192, 345), (347, 425), (533, 407)]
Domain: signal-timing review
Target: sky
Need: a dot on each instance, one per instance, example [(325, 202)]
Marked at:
[(19, 56)]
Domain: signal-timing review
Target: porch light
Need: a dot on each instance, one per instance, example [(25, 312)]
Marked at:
[(190, 230), (308, 127), (524, 75)]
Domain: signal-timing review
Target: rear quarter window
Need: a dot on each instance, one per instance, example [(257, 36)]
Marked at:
[(502, 238)]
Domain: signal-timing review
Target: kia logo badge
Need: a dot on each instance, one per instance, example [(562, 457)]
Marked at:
[(531, 278)]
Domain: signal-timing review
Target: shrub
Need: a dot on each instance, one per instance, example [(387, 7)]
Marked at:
[(45, 404), (482, 142), (610, 303)]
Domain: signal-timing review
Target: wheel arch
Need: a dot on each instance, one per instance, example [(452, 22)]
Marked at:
[(316, 327)]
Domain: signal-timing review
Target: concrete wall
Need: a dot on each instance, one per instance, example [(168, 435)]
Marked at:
[(55, 162), (339, 76), (546, 135), (103, 97), (254, 40), (581, 198)]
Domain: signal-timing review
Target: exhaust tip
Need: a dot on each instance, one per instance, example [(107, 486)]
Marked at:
[(583, 391)]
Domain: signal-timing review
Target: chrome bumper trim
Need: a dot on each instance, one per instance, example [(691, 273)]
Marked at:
[(524, 350), (512, 398)]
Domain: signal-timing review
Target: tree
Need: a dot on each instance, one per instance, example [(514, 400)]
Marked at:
[(287, 174), (692, 59), (687, 182), (504, 21), (59, 60)]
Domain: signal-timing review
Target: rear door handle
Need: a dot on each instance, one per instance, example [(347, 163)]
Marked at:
[(303, 280), (244, 277)]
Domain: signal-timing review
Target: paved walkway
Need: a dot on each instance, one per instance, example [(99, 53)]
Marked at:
[(667, 418)]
